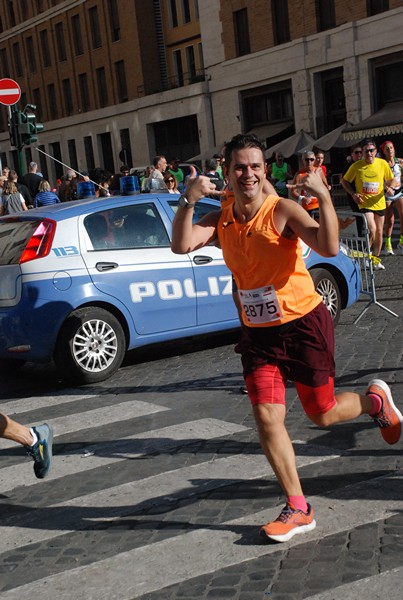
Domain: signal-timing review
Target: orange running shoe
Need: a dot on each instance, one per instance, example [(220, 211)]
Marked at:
[(389, 418), (290, 522)]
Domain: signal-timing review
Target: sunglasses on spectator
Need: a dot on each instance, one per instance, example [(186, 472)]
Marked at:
[(309, 159), (369, 150), (170, 180), (357, 152)]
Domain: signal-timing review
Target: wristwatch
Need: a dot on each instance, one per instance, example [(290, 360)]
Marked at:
[(184, 202)]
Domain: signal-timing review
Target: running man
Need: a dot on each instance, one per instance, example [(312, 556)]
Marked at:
[(287, 330), (37, 441)]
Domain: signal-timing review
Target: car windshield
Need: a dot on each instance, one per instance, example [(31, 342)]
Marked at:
[(14, 236)]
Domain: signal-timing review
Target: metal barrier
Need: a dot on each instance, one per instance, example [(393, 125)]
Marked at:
[(360, 250)]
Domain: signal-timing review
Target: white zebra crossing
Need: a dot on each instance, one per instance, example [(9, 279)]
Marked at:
[(122, 500), (150, 568), (200, 551)]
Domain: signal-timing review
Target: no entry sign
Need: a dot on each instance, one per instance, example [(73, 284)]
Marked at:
[(10, 92)]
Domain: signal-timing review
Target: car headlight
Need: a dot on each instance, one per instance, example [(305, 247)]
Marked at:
[(346, 250)]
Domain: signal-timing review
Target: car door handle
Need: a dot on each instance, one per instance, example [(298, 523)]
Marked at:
[(106, 266), (202, 260)]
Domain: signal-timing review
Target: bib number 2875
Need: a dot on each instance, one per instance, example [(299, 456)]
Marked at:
[(260, 305)]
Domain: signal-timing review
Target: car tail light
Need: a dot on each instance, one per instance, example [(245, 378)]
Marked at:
[(40, 243)]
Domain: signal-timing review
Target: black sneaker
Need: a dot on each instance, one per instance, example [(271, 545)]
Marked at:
[(41, 452)]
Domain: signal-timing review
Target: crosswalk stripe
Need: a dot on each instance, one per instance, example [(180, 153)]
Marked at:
[(209, 475), (371, 588), (37, 402), (106, 453), (132, 574), (98, 417)]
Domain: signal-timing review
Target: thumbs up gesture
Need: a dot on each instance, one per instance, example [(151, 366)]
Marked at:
[(199, 186)]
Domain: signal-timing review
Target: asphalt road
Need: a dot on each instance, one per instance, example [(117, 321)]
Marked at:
[(159, 484)]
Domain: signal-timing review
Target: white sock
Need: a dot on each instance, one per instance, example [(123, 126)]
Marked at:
[(34, 436)]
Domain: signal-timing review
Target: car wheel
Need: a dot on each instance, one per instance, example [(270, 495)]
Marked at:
[(91, 346), (326, 285)]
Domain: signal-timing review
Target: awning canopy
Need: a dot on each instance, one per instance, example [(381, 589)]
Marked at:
[(292, 144), (207, 154), (264, 132), (386, 121), (332, 139)]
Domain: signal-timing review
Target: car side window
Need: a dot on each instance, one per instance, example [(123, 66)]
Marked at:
[(136, 226), (201, 209)]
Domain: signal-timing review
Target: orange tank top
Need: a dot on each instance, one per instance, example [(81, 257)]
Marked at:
[(274, 285)]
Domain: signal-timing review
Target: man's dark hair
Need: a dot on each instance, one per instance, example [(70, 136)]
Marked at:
[(157, 159), (367, 141), (240, 141), (124, 168), (211, 164)]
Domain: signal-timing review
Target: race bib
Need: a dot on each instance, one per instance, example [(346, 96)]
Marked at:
[(260, 306), (370, 187)]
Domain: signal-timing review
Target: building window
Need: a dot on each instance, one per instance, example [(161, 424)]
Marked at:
[(55, 151), (121, 81), (71, 145), (191, 63), (24, 10), (126, 147), (268, 104), (177, 55), (77, 38), (4, 63), (196, 5), (387, 70), (68, 99), (94, 26), (84, 95), (42, 162), (173, 14), (89, 152), (325, 15), (37, 101), (45, 48), (11, 14), (52, 101), (39, 6), (17, 59), (281, 26), (186, 17), (331, 101), (29, 45), (374, 7), (102, 87), (201, 57), (114, 20), (60, 42), (241, 30)]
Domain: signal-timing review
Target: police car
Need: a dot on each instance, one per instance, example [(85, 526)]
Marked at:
[(83, 282)]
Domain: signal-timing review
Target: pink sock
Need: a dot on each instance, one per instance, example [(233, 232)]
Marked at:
[(376, 403), (298, 502)]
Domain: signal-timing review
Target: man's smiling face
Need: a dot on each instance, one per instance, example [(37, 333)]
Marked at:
[(247, 172)]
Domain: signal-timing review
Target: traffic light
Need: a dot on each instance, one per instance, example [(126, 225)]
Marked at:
[(27, 126), (15, 139), (23, 127)]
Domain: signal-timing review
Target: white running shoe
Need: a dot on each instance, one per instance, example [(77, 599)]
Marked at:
[(399, 249), (379, 267), (387, 252)]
